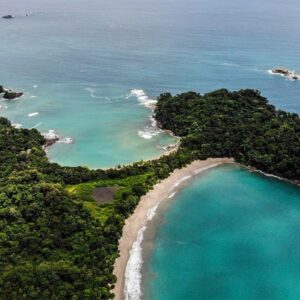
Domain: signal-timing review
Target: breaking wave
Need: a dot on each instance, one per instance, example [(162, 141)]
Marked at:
[(37, 125), (92, 92), (52, 135), (182, 180), (143, 98), (133, 275), (33, 114), (206, 168), (270, 175), (151, 130), (16, 125)]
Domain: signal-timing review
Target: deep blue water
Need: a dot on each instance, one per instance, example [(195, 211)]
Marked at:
[(85, 56), (229, 235)]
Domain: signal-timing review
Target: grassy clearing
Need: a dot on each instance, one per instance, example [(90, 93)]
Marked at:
[(83, 193)]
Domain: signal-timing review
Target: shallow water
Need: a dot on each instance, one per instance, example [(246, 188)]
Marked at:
[(230, 234), (77, 63)]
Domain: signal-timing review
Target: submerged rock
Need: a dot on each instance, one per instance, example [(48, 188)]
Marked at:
[(8, 17)]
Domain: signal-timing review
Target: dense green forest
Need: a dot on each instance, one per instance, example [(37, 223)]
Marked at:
[(242, 125), (56, 242)]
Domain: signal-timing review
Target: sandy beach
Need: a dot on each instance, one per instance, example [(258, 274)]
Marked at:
[(153, 198)]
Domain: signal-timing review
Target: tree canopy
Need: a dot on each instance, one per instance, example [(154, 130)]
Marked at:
[(56, 242), (241, 124)]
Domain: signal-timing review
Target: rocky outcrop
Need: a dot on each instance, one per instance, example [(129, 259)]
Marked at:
[(282, 71), (9, 94), (52, 137), (286, 73), (8, 17)]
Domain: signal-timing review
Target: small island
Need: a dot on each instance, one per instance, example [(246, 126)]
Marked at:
[(9, 94), (8, 17), (292, 75)]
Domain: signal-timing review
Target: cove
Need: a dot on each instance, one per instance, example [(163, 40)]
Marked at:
[(231, 234)]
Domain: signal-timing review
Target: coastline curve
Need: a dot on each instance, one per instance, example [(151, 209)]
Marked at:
[(128, 265)]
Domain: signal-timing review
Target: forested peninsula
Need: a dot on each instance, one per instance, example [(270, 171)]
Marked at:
[(58, 242), (241, 124)]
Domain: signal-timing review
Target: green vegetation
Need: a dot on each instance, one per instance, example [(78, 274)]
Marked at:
[(56, 242), (83, 193), (239, 124)]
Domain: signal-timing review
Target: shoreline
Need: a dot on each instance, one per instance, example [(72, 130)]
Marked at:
[(135, 224)]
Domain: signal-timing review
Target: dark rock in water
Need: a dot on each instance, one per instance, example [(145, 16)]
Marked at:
[(51, 141), (2, 90), (8, 17), (282, 71), (10, 95), (287, 73)]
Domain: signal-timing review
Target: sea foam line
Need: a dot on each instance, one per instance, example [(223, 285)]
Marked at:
[(33, 114), (133, 276), (270, 175), (37, 125), (206, 168), (152, 129)]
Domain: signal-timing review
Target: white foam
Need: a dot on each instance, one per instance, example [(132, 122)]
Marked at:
[(172, 195), (35, 86), (149, 132), (182, 180), (92, 92), (16, 125), (226, 64), (143, 98), (206, 168), (50, 135), (270, 175), (33, 114), (132, 288), (36, 125), (133, 276), (66, 140), (151, 213), (152, 129)]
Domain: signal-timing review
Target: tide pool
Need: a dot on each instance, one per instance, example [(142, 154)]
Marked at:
[(230, 234), (78, 62)]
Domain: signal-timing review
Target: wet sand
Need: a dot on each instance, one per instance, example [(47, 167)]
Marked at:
[(153, 198)]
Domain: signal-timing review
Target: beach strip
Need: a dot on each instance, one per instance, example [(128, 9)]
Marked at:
[(152, 199)]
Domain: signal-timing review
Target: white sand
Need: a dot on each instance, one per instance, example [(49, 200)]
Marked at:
[(153, 198)]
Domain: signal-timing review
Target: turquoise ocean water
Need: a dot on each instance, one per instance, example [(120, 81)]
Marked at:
[(229, 235), (78, 62)]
